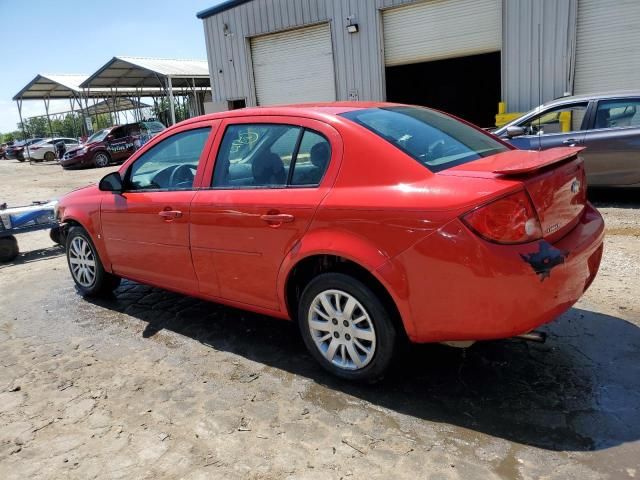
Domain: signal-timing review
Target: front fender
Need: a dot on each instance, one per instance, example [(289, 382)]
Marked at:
[(86, 213)]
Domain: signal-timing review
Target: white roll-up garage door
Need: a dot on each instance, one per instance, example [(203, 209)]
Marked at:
[(294, 66), (440, 29), (607, 46)]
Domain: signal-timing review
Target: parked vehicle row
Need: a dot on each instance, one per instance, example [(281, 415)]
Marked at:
[(111, 145), (18, 150), (365, 223)]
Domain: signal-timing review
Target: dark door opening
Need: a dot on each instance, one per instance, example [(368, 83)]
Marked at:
[(468, 87)]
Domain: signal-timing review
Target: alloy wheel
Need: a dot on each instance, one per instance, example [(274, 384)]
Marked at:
[(342, 329), (102, 160), (82, 262)]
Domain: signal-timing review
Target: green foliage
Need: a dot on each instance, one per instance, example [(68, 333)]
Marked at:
[(69, 126)]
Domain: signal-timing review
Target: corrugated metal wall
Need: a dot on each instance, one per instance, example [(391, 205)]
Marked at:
[(528, 71), (358, 60)]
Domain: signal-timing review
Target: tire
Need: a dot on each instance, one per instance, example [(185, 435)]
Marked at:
[(20, 159), (49, 156), (101, 159), (8, 248), (371, 341), (55, 234), (90, 280)]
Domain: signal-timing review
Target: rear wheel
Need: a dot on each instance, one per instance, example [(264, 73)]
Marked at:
[(346, 327), (49, 156), (8, 248), (101, 159), (85, 265)]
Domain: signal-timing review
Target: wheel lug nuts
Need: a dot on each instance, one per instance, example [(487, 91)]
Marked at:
[(334, 321), (345, 323), (336, 334), (347, 336)]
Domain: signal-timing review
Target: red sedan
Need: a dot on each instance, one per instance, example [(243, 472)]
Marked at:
[(364, 222)]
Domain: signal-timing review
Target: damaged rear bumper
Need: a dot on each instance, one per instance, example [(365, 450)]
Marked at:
[(460, 287)]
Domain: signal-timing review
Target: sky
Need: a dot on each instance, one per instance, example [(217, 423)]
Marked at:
[(73, 36)]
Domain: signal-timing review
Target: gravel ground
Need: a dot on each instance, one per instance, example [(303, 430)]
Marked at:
[(151, 384)]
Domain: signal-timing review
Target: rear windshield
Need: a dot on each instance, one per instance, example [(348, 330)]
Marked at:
[(434, 139)]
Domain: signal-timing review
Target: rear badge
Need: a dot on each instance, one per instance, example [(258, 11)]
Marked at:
[(575, 186), (552, 228), (545, 259)]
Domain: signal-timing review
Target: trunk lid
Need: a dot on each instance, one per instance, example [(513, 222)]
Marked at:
[(554, 179)]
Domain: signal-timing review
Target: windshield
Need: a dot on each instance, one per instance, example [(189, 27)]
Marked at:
[(436, 140), (99, 135), (153, 127)]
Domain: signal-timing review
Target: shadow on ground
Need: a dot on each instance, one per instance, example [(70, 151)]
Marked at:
[(35, 256), (615, 197), (579, 391)]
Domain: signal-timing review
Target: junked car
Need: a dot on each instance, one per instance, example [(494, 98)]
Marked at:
[(111, 145), (46, 149), (365, 223), (608, 125)]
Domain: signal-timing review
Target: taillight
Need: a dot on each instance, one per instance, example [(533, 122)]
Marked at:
[(510, 219)]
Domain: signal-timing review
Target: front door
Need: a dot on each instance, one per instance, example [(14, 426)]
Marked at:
[(146, 227), (556, 127), (119, 144), (268, 180)]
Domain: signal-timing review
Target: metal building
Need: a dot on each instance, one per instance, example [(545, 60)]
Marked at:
[(463, 56)]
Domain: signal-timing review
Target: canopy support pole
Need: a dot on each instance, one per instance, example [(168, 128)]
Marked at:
[(172, 107), (24, 132), (46, 107)]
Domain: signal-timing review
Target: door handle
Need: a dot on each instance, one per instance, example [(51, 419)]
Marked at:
[(571, 142), (277, 218), (170, 214)]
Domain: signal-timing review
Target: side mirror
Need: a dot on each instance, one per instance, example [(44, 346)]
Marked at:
[(109, 138), (515, 131), (111, 183)]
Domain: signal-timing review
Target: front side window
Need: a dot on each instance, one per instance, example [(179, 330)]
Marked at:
[(171, 164), (567, 118), (434, 139), (269, 156), (618, 113)]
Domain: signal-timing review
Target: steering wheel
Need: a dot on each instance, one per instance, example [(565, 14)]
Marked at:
[(181, 174)]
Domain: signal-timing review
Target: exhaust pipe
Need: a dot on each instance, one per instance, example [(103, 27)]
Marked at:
[(533, 336)]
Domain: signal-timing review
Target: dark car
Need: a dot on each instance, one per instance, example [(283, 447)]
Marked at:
[(111, 145), (17, 150), (608, 125)]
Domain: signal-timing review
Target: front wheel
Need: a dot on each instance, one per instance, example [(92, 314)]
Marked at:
[(85, 266), (101, 159), (346, 328)]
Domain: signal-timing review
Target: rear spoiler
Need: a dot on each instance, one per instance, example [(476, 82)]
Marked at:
[(516, 162)]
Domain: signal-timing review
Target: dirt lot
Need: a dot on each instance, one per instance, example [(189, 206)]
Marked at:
[(150, 384)]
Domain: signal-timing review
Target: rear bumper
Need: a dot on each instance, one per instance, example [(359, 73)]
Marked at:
[(460, 287)]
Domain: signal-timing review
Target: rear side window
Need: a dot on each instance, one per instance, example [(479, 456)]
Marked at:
[(434, 139), (618, 113), (270, 156)]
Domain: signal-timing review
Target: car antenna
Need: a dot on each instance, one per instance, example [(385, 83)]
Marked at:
[(539, 81)]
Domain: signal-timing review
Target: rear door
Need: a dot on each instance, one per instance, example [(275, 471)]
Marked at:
[(612, 157), (270, 175), (558, 126), (146, 227)]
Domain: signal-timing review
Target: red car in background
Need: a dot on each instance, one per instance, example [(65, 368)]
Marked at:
[(111, 145), (363, 222)]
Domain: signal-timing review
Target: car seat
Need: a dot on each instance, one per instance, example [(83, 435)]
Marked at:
[(268, 169), (602, 119)]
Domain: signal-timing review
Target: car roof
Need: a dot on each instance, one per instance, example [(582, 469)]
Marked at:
[(593, 96), (314, 110)]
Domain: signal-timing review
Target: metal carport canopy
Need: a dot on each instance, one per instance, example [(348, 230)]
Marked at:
[(143, 72)]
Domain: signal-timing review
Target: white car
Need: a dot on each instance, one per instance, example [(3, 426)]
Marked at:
[(46, 149)]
